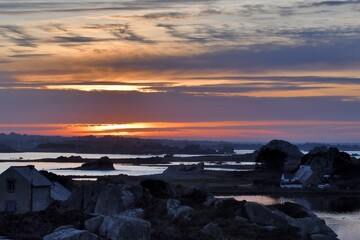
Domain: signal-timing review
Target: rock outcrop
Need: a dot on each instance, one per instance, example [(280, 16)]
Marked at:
[(176, 211), (278, 154), (308, 223), (184, 169), (70, 233), (113, 200), (103, 163), (262, 215), (214, 231), (157, 210), (118, 227), (93, 224), (158, 188), (325, 160)]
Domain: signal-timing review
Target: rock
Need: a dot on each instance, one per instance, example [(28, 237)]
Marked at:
[(158, 188), (184, 169), (85, 197), (321, 237), (139, 193), (214, 231), (210, 201), (70, 233), (176, 211), (117, 227), (134, 213), (276, 149), (312, 225), (325, 160), (262, 215), (241, 219), (194, 196), (113, 200), (103, 163), (92, 225), (294, 210), (307, 224)]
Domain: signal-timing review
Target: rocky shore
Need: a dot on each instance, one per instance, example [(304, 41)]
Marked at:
[(155, 209)]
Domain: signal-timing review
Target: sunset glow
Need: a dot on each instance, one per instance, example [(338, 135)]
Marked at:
[(227, 70)]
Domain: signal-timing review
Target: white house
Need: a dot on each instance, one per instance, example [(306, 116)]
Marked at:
[(24, 189), (301, 178)]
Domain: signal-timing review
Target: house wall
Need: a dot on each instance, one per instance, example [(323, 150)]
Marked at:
[(21, 195), (23, 192), (41, 198)]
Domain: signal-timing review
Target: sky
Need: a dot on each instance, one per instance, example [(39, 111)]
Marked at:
[(249, 70)]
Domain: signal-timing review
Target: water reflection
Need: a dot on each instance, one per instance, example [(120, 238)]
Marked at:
[(341, 213)]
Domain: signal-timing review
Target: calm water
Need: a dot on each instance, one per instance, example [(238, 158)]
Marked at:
[(43, 155), (128, 169), (344, 219)]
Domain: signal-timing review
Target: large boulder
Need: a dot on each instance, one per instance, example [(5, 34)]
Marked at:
[(214, 231), (134, 213), (158, 188), (117, 227), (85, 197), (70, 233), (325, 160), (322, 237), (113, 200), (103, 163), (307, 222), (304, 219), (280, 154), (140, 194), (93, 224), (262, 215), (173, 171), (176, 211), (312, 225)]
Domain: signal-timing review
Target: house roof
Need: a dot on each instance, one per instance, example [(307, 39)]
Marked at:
[(32, 175), (59, 192)]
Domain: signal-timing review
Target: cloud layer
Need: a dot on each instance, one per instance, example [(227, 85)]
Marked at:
[(112, 62)]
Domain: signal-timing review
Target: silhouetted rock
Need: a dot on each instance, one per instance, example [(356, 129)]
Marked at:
[(134, 213), (113, 200), (280, 155), (262, 215), (325, 160), (93, 224), (176, 211), (321, 237), (214, 231), (70, 233), (184, 169), (103, 163), (124, 228), (190, 214), (85, 197), (158, 188)]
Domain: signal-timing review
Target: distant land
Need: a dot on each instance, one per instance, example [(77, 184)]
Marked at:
[(14, 142)]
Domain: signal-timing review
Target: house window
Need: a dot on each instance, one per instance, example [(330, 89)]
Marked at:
[(11, 185)]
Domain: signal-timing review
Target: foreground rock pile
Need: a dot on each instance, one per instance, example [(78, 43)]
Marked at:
[(154, 209)]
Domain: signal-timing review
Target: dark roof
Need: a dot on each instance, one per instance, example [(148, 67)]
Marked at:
[(32, 175)]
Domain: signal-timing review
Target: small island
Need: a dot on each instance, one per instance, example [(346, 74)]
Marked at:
[(104, 163)]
